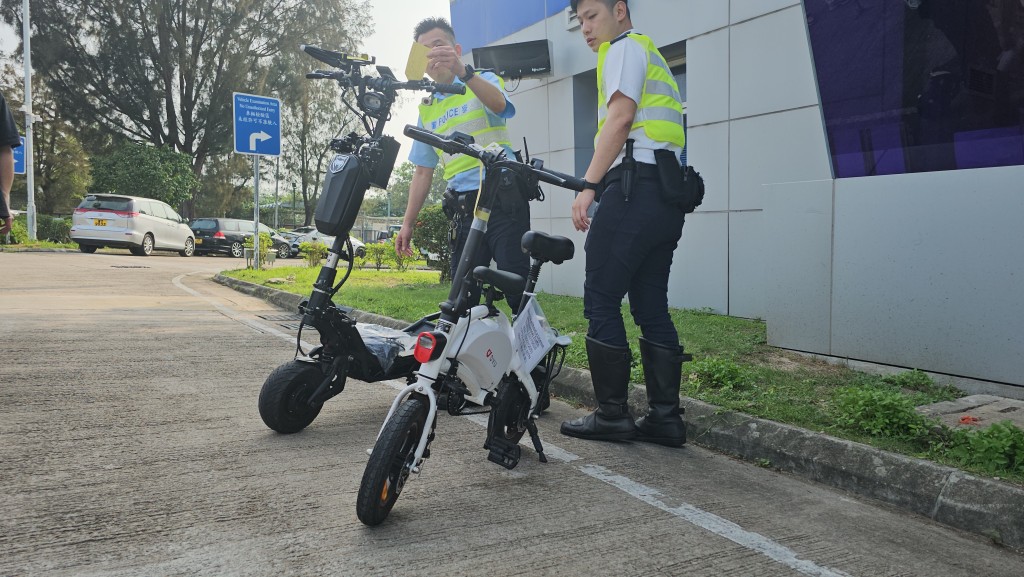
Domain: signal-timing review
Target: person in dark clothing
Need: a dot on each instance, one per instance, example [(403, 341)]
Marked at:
[(9, 140), (634, 232)]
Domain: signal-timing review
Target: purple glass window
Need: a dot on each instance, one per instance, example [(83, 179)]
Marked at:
[(920, 85)]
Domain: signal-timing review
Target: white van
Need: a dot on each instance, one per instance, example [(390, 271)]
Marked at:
[(141, 225)]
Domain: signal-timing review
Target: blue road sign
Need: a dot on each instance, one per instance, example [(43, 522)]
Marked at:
[(257, 125), (19, 158)]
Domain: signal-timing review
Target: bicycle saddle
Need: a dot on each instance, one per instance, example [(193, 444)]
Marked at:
[(507, 282), (545, 247)]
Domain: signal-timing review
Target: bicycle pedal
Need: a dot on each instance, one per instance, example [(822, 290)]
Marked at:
[(504, 453)]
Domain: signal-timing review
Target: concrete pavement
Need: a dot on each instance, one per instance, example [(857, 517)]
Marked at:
[(947, 495)]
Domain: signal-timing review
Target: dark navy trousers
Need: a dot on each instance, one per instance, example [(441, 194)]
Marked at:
[(629, 251), (502, 243)]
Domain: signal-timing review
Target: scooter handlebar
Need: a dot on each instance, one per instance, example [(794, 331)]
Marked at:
[(437, 141), (559, 179), (455, 147), (450, 88)]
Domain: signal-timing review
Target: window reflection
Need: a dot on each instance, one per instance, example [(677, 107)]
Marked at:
[(920, 85)]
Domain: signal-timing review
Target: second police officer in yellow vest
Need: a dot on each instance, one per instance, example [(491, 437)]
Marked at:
[(481, 113), (634, 231)]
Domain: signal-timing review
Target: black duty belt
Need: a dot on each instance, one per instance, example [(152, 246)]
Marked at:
[(643, 170)]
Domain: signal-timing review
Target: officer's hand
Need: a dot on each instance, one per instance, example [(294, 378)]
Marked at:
[(403, 242), (444, 57), (580, 206), (6, 224)]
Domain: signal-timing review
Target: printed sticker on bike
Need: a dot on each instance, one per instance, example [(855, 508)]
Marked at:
[(533, 334)]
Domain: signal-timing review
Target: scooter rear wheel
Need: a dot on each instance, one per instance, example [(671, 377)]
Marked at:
[(284, 399), (391, 462)]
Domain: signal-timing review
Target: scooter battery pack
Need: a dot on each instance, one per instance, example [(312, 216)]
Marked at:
[(344, 186)]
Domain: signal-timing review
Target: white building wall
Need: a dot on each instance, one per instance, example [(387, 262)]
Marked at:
[(921, 270)]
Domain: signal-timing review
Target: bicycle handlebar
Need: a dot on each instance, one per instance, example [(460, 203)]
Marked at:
[(452, 146), (348, 74)]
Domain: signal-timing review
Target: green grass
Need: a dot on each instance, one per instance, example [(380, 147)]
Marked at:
[(40, 244), (733, 366)]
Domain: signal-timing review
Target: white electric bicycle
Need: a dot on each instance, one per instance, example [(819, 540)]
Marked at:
[(474, 353)]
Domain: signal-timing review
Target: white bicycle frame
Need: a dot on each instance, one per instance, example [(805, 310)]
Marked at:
[(497, 327)]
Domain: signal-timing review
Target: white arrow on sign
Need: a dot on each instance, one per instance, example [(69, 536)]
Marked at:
[(256, 137)]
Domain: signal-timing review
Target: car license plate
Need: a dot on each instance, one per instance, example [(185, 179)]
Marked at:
[(99, 221), (199, 241)]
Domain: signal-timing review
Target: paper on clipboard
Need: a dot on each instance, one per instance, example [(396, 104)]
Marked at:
[(533, 335), (416, 66)]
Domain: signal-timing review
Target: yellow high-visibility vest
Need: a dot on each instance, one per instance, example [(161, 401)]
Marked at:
[(659, 114), (463, 113)]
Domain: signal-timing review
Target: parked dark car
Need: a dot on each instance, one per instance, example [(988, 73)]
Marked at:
[(227, 236)]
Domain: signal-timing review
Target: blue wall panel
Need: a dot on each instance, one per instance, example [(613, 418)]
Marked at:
[(482, 22)]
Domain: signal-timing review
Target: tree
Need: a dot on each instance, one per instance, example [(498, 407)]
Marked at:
[(376, 203), (60, 163), (164, 72), (143, 170)]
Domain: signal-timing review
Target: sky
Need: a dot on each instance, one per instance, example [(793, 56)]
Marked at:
[(394, 21)]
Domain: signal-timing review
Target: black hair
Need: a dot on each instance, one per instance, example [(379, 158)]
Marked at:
[(428, 24), (609, 3)]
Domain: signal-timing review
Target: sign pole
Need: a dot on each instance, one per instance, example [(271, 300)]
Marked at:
[(29, 118), (256, 212)]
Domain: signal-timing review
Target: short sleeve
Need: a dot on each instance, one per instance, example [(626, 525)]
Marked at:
[(625, 70)]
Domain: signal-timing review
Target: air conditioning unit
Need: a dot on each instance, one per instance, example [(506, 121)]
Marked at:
[(519, 60), (572, 20)]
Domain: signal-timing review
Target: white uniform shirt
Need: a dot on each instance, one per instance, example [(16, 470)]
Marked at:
[(625, 71)]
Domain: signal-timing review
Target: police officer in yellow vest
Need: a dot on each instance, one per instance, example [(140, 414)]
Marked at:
[(481, 113), (634, 231)]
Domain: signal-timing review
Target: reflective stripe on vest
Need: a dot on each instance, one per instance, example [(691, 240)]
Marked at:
[(659, 113), (463, 113)]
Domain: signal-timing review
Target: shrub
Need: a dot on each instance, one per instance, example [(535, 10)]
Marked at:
[(721, 373), (19, 231), (313, 253), (378, 253), (53, 229), (431, 235), (879, 412), (996, 449), (266, 245), (916, 380)]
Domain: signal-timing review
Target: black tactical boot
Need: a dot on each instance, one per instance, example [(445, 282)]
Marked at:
[(663, 367), (609, 370)]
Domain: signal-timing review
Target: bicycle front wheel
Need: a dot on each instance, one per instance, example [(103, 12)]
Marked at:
[(391, 462)]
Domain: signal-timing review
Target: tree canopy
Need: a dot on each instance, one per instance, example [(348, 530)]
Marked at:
[(144, 170)]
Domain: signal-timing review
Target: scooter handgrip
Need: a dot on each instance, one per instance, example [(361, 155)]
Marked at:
[(450, 88), (560, 179)]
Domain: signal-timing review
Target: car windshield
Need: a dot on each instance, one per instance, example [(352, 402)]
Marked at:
[(106, 203), (204, 224)]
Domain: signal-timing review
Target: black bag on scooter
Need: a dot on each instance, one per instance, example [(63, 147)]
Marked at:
[(345, 184)]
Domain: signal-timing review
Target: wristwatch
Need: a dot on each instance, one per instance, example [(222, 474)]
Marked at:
[(589, 185), (470, 71)]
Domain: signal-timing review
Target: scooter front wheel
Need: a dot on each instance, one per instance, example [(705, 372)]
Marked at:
[(284, 399), (391, 461)]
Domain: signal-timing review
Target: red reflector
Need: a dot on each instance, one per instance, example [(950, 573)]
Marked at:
[(425, 345), (218, 234)]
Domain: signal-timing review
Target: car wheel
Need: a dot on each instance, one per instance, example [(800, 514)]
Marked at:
[(147, 246), (87, 249), (190, 248), (283, 251), (237, 250), (361, 252)]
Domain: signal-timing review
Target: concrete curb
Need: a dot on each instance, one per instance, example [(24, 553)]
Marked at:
[(944, 494)]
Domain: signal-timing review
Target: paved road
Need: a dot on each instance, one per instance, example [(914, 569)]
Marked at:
[(130, 444)]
